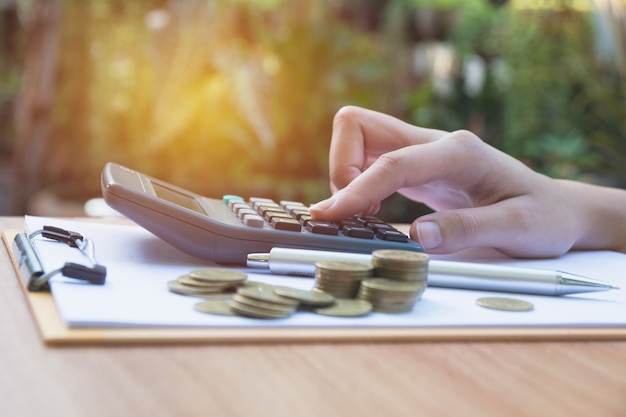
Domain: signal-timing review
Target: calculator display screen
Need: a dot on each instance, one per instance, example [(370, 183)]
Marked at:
[(174, 196)]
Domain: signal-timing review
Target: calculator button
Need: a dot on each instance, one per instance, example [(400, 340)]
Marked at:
[(392, 235), (256, 202), (304, 219), (262, 209), (253, 220), (377, 224), (297, 214), (351, 223), (271, 215), (286, 205), (236, 207), (244, 212), (381, 226), (358, 232), (279, 223), (296, 209), (228, 199), (322, 228)]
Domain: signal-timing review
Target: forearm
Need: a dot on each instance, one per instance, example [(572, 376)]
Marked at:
[(602, 217)]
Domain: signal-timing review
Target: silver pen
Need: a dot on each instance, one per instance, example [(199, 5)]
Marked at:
[(449, 274)]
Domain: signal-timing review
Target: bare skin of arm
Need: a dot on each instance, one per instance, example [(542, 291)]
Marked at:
[(481, 196)]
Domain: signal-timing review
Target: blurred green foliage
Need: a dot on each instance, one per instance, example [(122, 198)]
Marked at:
[(238, 96), (222, 96), (546, 98), (11, 54)]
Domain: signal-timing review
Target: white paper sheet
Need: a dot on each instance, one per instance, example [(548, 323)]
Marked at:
[(139, 265)]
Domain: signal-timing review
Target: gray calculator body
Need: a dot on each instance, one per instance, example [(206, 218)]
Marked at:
[(206, 227)]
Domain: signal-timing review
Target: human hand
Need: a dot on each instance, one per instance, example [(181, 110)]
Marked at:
[(482, 197)]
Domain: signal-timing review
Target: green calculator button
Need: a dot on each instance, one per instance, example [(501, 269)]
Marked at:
[(227, 198)]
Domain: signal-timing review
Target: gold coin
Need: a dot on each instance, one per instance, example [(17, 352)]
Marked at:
[(178, 288), (346, 308), (347, 266), (281, 308), (219, 307), (505, 304), (188, 280), (306, 296), (399, 256), (218, 275), (254, 284), (390, 285), (256, 312), (266, 294)]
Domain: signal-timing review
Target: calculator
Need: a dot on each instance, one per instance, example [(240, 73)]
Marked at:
[(225, 230)]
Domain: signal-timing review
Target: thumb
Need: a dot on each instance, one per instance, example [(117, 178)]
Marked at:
[(452, 230)]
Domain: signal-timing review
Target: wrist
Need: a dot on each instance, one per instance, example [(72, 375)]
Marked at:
[(601, 215)]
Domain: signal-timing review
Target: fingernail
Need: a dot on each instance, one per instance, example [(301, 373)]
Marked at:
[(429, 235), (323, 205)]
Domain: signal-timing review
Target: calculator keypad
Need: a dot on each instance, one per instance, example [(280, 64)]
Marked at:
[(294, 216)]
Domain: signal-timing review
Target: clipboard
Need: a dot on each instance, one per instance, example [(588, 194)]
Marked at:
[(54, 330)]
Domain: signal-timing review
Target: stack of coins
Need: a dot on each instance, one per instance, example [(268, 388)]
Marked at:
[(340, 278), (392, 283), (401, 265), (265, 301), (391, 296), (203, 282), (262, 302), (400, 283)]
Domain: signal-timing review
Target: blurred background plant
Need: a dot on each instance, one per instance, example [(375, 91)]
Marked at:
[(219, 96), (237, 96), (542, 80)]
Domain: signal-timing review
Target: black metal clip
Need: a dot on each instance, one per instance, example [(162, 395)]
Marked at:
[(31, 267), (62, 235)]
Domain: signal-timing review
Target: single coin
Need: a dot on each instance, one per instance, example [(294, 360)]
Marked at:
[(309, 297), (254, 284), (266, 293), (395, 255), (392, 285), (219, 275), (178, 288), (256, 312), (219, 307), (347, 266), (505, 304), (192, 282), (346, 308), (267, 305)]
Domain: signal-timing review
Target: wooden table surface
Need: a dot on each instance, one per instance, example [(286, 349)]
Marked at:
[(573, 378)]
